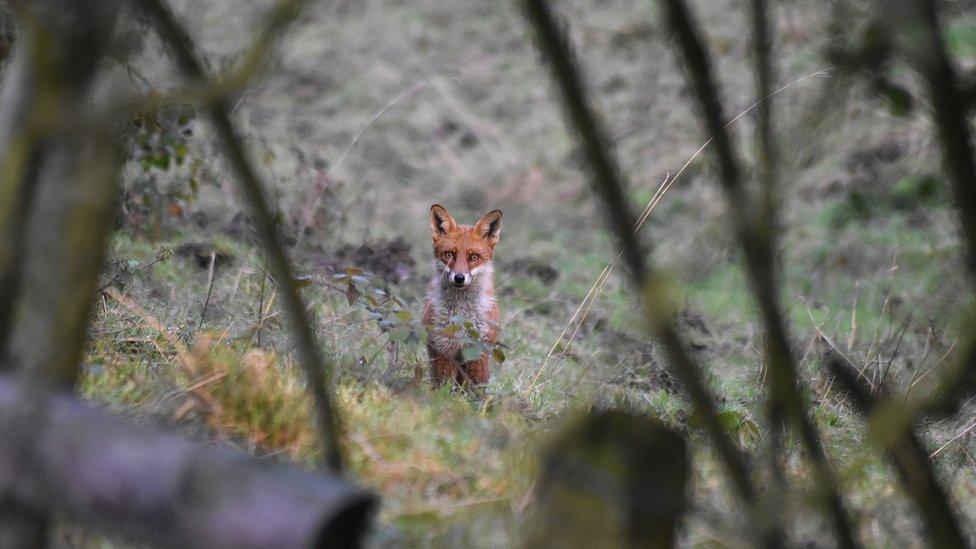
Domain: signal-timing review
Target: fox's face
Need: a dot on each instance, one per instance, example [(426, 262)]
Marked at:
[(464, 251)]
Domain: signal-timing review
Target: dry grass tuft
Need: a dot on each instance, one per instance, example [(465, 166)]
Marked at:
[(255, 397)]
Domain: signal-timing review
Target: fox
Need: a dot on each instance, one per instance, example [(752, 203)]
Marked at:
[(462, 288)]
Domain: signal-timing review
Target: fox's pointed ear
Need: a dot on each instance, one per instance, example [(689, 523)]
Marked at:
[(441, 222), (489, 226)]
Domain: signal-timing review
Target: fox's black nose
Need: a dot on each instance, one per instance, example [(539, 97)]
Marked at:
[(458, 279)]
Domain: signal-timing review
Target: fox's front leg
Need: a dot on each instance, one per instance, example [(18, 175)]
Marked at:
[(476, 371), (442, 368)]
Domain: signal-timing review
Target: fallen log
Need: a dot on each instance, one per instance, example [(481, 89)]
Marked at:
[(85, 465)]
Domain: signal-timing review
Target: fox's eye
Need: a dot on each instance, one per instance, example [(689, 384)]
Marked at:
[(449, 255), (474, 257)]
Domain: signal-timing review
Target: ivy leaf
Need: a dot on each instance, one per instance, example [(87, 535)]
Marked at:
[(498, 354), (470, 353), (730, 420)]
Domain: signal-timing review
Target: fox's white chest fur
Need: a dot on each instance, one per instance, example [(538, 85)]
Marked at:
[(453, 305)]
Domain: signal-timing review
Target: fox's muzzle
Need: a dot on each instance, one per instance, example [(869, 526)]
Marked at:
[(459, 280)]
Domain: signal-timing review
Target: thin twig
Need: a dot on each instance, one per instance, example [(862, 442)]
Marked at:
[(211, 272), (930, 369), (953, 439), (891, 359), (376, 115), (260, 322)]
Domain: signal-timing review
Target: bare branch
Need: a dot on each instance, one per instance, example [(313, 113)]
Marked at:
[(62, 183), (908, 456), (317, 370), (919, 39), (765, 98), (57, 189), (93, 468), (756, 240), (608, 183)]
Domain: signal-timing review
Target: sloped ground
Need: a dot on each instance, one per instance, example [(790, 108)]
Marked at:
[(375, 110)]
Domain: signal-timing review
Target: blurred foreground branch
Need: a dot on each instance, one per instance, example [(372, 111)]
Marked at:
[(43, 219), (58, 184), (657, 297), (58, 188), (611, 479), (907, 453), (920, 41), (123, 479), (756, 240), (225, 84), (317, 371)]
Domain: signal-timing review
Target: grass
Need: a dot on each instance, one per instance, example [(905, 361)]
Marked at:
[(869, 246)]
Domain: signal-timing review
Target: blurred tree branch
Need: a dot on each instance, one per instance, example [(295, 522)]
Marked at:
[(919, 39), (317, 370), (907, 454), (766, 151), (126, 480), (756, 239), (46, 86), (223, 85), (655, 292), (58, 190), (611, 479)]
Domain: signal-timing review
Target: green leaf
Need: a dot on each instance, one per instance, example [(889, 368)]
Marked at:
[(470, 353), (181, 152), (730, 420), (160, 161), (899, 99)]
